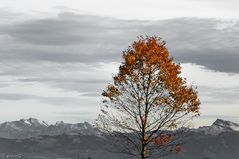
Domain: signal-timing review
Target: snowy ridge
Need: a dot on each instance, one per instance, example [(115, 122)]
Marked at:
[(34, 122), (32, 127), (218, 127), (26, 128)]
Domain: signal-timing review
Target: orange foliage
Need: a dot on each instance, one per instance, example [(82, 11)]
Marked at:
[(149, 58), (156, 141), (164, 139), (111, 92), (178, 148)]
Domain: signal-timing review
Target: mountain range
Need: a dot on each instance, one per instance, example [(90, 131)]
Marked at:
[(26, 128), (31, 138)]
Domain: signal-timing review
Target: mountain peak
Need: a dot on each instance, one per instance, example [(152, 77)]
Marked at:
[(59, 123), (226, 124), (219, 126), (33, 122)]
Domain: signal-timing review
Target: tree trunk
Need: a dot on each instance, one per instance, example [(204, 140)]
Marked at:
[(143, 152)]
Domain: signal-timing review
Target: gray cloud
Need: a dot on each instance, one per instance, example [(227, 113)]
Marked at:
[(64, 52), (218, 96), (81, 38), (60, 101), (14, 96)]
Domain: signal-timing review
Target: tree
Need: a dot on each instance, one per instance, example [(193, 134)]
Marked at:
[(147, 101)]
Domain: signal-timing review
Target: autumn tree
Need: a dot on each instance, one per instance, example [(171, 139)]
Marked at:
[(148, 101)]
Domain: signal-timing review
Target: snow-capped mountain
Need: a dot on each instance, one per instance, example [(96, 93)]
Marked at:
[(218, 127), (32, 127), (226, 124), (23, 124)]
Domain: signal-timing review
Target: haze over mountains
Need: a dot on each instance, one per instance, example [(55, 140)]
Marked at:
[(31, 138)]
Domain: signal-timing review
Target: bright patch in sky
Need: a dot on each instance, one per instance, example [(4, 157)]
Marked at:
[(130, 9)]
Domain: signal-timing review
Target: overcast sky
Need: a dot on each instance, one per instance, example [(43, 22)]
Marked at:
[(56, 56)]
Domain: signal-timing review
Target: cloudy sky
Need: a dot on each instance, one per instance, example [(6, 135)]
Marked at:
[(56, 56)]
